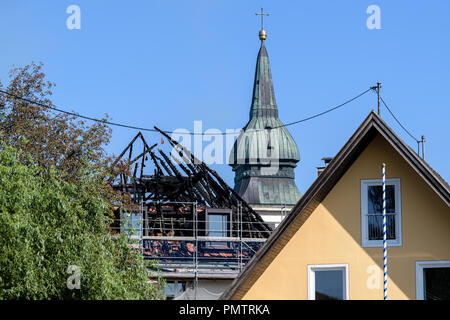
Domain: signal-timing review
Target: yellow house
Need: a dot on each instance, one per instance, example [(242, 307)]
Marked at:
[(330, 245)]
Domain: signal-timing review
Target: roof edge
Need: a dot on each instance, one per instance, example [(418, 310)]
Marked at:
[(328, 178)]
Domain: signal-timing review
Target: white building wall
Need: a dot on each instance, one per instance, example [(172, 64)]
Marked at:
[(206, 290), (273, 214)]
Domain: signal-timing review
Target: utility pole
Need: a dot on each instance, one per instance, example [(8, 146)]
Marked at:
[(379, 97), (423, 147)]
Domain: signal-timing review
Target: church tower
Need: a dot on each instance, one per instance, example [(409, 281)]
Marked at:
[(265, 154)]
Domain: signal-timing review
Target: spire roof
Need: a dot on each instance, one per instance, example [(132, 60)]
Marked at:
[(264, 117), (265, 141), (263, 100)]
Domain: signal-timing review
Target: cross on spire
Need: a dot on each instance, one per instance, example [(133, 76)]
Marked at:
[(262, 14)]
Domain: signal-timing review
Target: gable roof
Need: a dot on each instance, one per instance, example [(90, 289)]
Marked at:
[(366, 132)]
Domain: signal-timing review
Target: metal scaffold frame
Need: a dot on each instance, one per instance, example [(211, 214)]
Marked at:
[(178, 202), (200, 263)]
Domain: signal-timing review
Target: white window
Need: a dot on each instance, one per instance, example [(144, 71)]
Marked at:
[(328, 282), (132, 223), (433, 280), (218, 225), (372, 214), (218, 222), (174, 288)]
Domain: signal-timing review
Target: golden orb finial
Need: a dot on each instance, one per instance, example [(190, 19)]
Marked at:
[(262, 35)]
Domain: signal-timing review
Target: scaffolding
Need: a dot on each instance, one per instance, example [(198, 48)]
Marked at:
[(207, 247), (198, 255), (183, 215), (167, 184)]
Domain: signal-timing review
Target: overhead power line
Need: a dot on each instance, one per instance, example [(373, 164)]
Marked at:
[(171, 132), (325, 112), (398, 121)]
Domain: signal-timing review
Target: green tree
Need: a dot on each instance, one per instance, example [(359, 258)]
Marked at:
[(53, 139), (48, 224), (55, 203)]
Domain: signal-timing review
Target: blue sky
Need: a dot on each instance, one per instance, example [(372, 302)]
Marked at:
[(168, 63)]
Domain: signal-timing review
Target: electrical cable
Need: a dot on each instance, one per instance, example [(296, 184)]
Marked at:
[(395, 118), (171, 132), (325, 112)]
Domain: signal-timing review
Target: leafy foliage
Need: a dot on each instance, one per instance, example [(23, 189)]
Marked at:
[(53, 140), (48, 224), (55, 204)]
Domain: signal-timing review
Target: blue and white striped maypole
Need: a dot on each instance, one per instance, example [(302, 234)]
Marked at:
[(384, 232)]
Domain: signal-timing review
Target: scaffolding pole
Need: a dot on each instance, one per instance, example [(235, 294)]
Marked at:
[(196, 249), (240, 234), (198, 234)]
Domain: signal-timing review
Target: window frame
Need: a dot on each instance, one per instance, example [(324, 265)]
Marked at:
[(126, 229), (326, 267), (176, 283), (223, 212), (420, 266), (217, 244), (365, 242)]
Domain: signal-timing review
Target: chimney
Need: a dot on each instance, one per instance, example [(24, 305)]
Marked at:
[(326, 161)]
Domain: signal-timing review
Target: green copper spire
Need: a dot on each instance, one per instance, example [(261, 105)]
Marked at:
[(263, 102), (265, 140)]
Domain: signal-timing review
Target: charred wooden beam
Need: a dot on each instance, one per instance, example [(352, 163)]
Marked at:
[(200, 184), (174, 169)]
